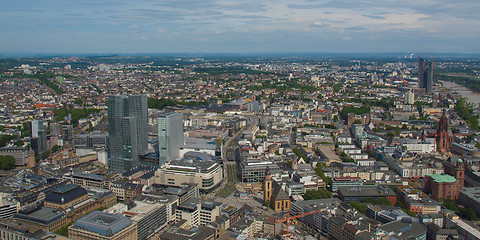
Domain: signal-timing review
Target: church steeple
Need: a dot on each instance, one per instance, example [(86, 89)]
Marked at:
[(442, 133), (267, 187)]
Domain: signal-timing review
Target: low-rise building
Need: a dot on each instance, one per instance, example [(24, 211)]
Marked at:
[(148, 213), (7, 206), (19, 153), (359, 193), (41, 217), (346, 182), (65, 196), (402, 230), (88, 180), (206, 174), (183, 231), (319, 220), (103, 226), (125, 190), (12, 229), (198, 212)]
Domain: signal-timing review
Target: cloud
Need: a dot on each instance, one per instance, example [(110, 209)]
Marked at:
[(242, 24), (319, 24), (374, 16)]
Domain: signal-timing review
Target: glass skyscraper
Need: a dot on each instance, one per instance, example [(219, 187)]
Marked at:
[(127, 130), (170, 136), (38, 138), (425, 75)]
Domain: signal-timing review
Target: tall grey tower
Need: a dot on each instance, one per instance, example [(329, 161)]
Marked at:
[(38, 139), (425, 75), (127, 130), (170, 136)]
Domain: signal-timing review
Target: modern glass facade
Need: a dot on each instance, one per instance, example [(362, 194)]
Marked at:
[(170, 136), (425, 75), (127, 129)]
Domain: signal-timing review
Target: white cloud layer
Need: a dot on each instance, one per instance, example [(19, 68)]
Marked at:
[(240, 26)]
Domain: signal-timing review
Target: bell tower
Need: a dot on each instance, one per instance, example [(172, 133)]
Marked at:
[(442, 133), (460, 175), (267, 187)]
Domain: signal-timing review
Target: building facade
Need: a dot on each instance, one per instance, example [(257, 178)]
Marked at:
[(274, 196), (38, 138), (425, 75), (103, 226), (442, 186), (127, 129), (206, 174), (170, 136)]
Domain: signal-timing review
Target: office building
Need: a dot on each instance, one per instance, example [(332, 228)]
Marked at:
[(206, 174), (45, 218), (127, 129), (182, 231), (170, 136), (359, 193), (148, 213), (319, 220), (88, 180), (402, 230), (19, 153), (65, 196), (198, 212), (11, 229), (7, 206), (38, 138), (409, 97), (90, 140), (103, 226), (425, 75)]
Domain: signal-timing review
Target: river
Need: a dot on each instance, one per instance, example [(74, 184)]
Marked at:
[(464, 92)]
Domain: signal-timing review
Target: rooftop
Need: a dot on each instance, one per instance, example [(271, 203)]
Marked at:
[(403, 230), (105, 224), (366, 191), (442, 178)]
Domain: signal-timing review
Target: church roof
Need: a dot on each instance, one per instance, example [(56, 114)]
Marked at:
[(278, 193), (442, 178)]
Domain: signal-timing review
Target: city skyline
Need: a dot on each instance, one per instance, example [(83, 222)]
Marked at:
[(239, 27)]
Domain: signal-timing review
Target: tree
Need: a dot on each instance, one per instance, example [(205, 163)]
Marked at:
[(450, 204), (357, 121), (319, 194), (45, 154), (467, 213), (383, 201), (5, 139), (360, 207), (55, 148), (7, 162)]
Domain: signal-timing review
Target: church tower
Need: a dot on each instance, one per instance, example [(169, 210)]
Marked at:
[(267, 187), (442, 133), (295, 163), (460, 174)]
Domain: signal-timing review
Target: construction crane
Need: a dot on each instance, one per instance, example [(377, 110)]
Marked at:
[(433, 58), (288, 218)]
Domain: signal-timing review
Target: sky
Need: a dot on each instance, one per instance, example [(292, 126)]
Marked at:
[(223, 26)]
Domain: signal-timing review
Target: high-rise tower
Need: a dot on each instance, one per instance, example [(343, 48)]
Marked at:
[(170, 136), (127, 124), (425, 75), (38, 138)]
